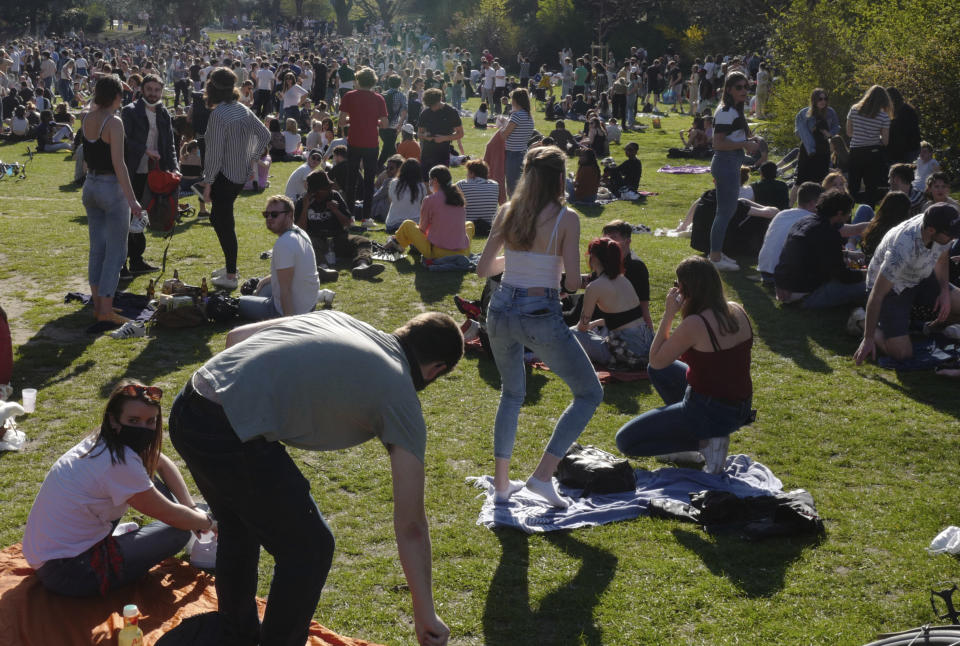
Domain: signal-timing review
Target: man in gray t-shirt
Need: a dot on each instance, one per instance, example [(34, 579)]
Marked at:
[(321, 381)]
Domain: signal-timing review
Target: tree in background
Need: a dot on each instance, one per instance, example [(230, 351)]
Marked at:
[(487, 26)]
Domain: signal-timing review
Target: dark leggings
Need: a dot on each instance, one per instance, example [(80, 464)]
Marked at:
[(223, 194), (869, 165)]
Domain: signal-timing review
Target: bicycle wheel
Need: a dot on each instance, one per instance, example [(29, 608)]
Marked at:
[(922, 636)]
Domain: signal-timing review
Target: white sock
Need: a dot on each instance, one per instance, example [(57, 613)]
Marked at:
[(512, 488), (547, 491)]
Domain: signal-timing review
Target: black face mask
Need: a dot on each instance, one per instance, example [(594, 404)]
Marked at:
[(136, 437)]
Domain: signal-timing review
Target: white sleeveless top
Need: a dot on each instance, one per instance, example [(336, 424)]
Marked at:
[(530, 269)]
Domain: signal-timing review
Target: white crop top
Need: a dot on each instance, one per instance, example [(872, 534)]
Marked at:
[(532, 269)]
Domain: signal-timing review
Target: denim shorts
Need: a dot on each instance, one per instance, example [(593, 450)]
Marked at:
[(896, 308)]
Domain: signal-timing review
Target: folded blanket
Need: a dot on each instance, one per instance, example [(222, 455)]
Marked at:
[(684, 170), (528, 512), (169, 594)]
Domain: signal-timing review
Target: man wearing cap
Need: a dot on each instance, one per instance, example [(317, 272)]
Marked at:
[(297, 183), (910, 268)]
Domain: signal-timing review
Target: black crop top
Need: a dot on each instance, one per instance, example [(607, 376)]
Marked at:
[(96, 154), (620, 319)]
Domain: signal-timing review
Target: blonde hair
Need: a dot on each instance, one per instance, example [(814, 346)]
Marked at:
[(291, 126), (540, 184)]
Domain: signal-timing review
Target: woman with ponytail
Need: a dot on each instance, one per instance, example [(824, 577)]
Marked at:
[(69, 537), (540, 238), (443, 229)]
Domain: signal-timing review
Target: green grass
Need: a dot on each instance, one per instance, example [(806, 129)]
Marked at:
[(877, 450)]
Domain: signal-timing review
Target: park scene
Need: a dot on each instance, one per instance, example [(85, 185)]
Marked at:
[(486, 322)]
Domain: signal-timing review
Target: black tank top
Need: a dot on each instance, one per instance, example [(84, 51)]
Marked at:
[(619, 319), (96, 154)]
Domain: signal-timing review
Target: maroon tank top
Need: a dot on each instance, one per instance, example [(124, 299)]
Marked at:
[(720, 373)]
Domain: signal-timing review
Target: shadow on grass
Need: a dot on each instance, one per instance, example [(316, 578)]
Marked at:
[(756, 568), (565, 615), (166, 352), (588, 210), (623, 397), (926, 388), (789, 331), (436, 286), (54, 348)]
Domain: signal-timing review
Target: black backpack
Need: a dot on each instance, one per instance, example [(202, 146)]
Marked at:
[(744, 233)]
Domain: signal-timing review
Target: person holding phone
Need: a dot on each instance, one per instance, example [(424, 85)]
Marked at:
[(701, 370)]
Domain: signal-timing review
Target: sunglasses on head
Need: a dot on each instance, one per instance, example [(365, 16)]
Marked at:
[(274, 214), (152, 393)]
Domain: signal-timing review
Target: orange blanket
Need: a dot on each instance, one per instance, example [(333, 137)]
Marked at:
[(168, 594)]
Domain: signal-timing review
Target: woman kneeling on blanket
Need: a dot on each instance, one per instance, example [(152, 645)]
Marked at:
[(68, 539), (708, 394), (620, 338)]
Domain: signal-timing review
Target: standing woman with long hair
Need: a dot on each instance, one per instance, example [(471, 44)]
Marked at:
[(540, 238), (701, 370), (108, 199), (517, 133), (69, 537), (904, 144), (731, 138), (235, 138), (868, 126), (814, 124)]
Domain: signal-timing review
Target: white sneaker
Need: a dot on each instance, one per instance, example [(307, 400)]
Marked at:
[(724, 256), (129, 330), (715, 454), (325, 297), (725, 265), (855, 322), (369, 223), (224, 282)]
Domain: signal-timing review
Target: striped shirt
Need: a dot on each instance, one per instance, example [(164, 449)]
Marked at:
[(522, 129), (482, 197), (866, 130), (235, 137), (728, 121)]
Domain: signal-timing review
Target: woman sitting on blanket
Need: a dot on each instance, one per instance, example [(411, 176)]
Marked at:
[(708, 394), (443, 229), (69, 536), (620, 338)]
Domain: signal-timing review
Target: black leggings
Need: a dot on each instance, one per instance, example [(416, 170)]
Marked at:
[(870, 165), (223, 194)]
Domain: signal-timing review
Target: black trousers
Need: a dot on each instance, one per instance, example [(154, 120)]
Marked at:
[(389, 138), (869, 165), (223, 194), (368, 157), (137, 242)]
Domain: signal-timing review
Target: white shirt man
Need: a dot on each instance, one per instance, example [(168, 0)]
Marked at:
[(779, 229), (293, 283), (297, 183)]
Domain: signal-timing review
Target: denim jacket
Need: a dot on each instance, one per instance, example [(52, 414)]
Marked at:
[(804, 125)]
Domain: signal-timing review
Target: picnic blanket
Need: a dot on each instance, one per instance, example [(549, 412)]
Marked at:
[(452, 263), (528, 512), (684, 170), (170, 593), (132, 306), (928, 354)]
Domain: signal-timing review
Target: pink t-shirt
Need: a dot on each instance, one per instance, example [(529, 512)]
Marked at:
[(444, 224)]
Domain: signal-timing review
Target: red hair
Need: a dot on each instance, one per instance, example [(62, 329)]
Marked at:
[(610, 255)]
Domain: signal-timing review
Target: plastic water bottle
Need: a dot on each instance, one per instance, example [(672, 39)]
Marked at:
[(130, 634)]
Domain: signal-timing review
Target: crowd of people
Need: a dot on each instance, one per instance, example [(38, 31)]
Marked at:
[(338, 105)]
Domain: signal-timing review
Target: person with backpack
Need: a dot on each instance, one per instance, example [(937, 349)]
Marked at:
[(148, 143)]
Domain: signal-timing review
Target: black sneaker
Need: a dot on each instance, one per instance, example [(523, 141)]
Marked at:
[(125, 273), (367, 271), (142, 268), (328, 275)]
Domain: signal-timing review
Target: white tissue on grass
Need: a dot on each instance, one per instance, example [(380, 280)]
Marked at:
[(946, 542)]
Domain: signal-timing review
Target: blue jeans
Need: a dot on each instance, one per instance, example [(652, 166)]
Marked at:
[(139, 550), (259, 497), (725, 169), (260, 307), (108, 221), (516, 319), (637, 339), (687, 418), (834, 293), (513, 165)]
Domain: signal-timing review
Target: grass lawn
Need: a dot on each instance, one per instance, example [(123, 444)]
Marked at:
[(877, 450)]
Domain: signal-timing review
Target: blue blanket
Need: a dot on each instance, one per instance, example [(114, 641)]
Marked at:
[(528, 512)]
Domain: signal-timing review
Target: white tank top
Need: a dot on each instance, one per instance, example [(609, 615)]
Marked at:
[(532, 269)]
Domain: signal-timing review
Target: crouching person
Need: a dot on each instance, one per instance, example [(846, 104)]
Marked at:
[(291, 288), (273, 386), (69, 536)]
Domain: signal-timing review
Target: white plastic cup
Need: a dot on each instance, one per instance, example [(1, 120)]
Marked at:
[(29, 399)]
